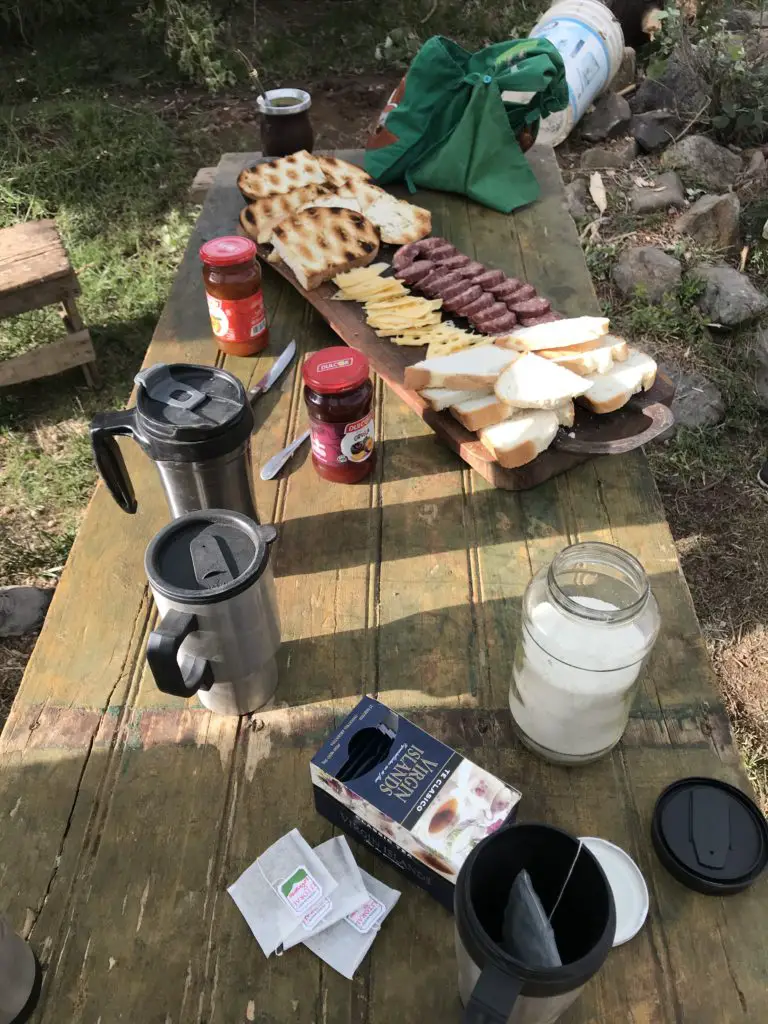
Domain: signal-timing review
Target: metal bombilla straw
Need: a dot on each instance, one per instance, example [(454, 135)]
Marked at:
[(253, 74)]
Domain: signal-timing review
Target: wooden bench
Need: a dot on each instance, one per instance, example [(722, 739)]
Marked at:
[(35, 272), (126, 813)]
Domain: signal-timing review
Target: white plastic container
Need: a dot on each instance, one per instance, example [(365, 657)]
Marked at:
[(591, 42)]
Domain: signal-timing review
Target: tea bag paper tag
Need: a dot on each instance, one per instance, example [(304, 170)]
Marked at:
[(366, 915), (283, 886), (343, 946), (348, 895)]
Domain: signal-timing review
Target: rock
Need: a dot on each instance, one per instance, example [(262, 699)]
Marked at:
[(765, 231), (697, 401), (760, 353), (627, 72), (650, 269), (654, 130), (729, 298), (741, 21), (620, 154), (610, 117), (755, 164), (666, 191), (576, 198), (677, 88), (712, 220), (700, 159), (22, 609)]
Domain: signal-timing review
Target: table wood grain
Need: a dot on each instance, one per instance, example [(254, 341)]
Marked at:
[(126, 813)]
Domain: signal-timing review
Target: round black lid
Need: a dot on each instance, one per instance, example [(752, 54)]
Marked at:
[(206, 557), (710, 836), (184, 403)]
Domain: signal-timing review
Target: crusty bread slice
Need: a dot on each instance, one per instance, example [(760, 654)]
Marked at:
[(280, 176), (471, 369), (337, 202), (610, 391), (339, 172), (531, 382), (477, 412), (566, 413), (442, 398), (519, 439), (321, 242), (398, 221), (259, 218), (557, 334), (598, 358)]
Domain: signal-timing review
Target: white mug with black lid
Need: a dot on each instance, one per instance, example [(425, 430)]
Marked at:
[(219, 630)]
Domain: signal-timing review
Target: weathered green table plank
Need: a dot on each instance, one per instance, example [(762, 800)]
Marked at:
[(126, 813)]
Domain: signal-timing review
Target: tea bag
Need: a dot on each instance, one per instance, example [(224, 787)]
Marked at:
[(286, 885), (527, 934), (344, 945), (349, 894)]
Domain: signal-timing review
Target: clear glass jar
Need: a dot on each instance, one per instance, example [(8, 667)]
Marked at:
[(589, 622)]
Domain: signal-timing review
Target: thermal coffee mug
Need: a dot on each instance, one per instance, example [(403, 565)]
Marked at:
[(18, 976), (494, 987)]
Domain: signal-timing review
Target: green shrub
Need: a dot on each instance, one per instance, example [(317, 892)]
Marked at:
[(192, 38)]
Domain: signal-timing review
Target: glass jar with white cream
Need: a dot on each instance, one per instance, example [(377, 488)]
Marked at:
[(589, 622)]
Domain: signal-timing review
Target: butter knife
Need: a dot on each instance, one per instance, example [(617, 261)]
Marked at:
[(269, 378), (272, 468)]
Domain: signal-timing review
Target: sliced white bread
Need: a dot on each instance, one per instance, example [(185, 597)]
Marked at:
[(599, 357), (472, 369), (340, 202), (557, 334), (519, 439), (319, 243), (610, 391), (442, 398), (398, 220), (565, 413), (531, 382), (478, 412)]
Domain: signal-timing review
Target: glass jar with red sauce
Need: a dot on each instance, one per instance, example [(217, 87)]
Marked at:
[(232, 277), (338, 392)]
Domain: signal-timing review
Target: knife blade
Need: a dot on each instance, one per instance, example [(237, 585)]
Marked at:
[(272, 468), (269, 378)]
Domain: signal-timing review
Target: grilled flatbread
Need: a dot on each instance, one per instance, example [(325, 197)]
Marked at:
[(398, 221), (338, 172), (321, 242), (278, 177), (260, 217)]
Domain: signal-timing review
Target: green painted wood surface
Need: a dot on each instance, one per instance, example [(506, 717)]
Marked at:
[(127, 813)]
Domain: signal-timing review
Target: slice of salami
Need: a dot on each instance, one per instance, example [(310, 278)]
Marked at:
[(473, 269), (530, 307), (408, 253), (469, 295), (489, 312), (532, 321), (430, 244), (441, 252), (525, 291), (499, 325), (445, 279), (507, 288), (425, 283), (455, 262), (413, 272), (489, 279), (484, 301)]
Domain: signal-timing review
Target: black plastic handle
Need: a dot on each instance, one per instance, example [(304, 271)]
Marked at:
[(492, 998), (105, 427), (163, 656)]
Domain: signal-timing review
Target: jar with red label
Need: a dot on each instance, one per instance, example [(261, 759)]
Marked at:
[(339, 393), (232, 277)]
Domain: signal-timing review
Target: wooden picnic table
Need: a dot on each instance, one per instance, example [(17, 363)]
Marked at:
[(126, 813)]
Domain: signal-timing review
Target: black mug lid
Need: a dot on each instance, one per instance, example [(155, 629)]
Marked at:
[(184, 402), (209, 556), (710, 836)]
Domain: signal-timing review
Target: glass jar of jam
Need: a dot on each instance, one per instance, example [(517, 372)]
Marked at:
[(232, 277), (338, 393), (285, 124)]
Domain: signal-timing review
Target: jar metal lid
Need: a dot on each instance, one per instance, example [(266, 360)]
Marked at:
[(227, 251), (277, 102), (336, 369)]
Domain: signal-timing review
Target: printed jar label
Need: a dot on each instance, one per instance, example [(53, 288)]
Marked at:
[(300, 891), (366, 916), (237, 319), (337, 443)]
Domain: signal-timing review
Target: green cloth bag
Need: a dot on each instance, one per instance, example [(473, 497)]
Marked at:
[(452, 131)]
